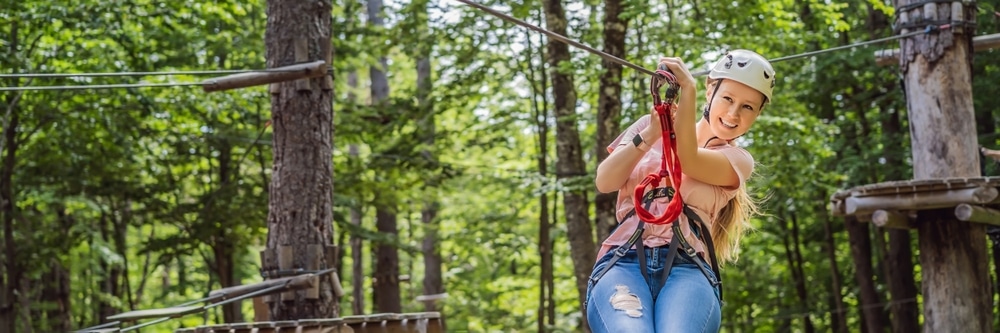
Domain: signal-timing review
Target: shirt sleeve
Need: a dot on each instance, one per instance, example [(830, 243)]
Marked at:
[(742, 163), (625, 138)]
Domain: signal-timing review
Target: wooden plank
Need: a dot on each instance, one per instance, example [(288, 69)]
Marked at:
[(156, 313), (301, 45), (970, 213), (273, 75), (286, 261), (314, 254), (920, 200)]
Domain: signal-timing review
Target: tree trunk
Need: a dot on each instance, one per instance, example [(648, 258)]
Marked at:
[(300, 209), (540, 113), (570, 163), (861, 250), (609, 109), (899, 257), (10, 278), (385, 285), (357, 257), (938, 76), (794, 256), (222, 245), (433, 277), (838, 315)]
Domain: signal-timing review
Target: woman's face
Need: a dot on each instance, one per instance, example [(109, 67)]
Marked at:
[(734, 108)]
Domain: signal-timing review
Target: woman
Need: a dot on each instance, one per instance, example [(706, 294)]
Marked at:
[(631, 293)]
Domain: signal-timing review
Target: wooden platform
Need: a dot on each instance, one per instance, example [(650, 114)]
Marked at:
[(894, 204), (421, 322)]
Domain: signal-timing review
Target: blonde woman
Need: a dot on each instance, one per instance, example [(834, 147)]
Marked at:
[(629, 290)]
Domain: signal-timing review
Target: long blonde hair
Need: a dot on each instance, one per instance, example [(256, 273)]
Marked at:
[(732, 223)]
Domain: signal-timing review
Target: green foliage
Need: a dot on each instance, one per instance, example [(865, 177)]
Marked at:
[(131, 191)]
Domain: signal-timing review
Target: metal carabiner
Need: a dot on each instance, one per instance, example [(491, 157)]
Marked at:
[(663, 77)]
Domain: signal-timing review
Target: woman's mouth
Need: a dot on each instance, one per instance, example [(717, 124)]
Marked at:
[(727, 124)]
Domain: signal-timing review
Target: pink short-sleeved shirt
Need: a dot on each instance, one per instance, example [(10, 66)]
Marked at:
[(704, 199)]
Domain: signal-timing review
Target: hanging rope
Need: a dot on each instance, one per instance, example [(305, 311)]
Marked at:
[(670, 163)]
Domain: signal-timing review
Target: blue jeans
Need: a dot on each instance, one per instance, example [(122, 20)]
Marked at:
[(622, 301)]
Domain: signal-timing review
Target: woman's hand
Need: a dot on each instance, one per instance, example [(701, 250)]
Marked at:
[(684, 77), (654, 131)]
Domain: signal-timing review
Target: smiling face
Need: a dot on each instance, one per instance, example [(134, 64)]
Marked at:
[(734, 108)]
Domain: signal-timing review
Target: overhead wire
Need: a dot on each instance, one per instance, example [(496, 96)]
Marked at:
[(128, 74)]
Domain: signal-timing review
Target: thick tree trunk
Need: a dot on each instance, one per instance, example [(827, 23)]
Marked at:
[(570, 163), (385, 285), (938, 76), (609, 109), (861, 250), (300, 208)]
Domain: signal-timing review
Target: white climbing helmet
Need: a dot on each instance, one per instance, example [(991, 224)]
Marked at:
[(746, 67)]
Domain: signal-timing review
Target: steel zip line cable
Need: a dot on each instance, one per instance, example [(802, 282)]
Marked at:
[(559, 37)]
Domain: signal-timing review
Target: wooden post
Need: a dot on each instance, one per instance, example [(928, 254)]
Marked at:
[(938, 80)]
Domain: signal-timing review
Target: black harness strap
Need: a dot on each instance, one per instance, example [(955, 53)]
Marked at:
[(677, 242)]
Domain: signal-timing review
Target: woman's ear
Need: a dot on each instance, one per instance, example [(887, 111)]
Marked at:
[(709, 88)]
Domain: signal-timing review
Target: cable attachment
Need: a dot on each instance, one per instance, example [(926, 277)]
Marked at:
[(669, 149)]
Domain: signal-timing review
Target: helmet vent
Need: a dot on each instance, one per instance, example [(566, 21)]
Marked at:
[(742, 64)]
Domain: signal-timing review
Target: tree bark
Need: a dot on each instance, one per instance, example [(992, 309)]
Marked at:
[(609, 109), (301, 189), (222, 244), (570, 163), (938, 74)]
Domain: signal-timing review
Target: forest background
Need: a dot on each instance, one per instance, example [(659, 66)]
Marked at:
[(458, 168)]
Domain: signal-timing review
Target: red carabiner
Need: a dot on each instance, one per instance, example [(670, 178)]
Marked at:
[(671, 169)]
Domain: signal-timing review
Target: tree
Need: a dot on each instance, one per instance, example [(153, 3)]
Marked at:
[(300, 207), (570, 163), (937, 72), (609, 109)]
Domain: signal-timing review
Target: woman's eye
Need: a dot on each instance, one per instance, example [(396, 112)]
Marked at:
[(728, 99), (748, 107)]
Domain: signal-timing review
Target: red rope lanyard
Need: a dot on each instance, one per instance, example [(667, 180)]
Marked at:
[(670, 163)]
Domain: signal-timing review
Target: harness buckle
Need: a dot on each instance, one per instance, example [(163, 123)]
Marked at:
[(620, 251)]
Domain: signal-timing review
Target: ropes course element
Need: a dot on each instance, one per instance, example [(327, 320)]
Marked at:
[(670, 163), (101, 86), (242, 78), (128, 74)]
